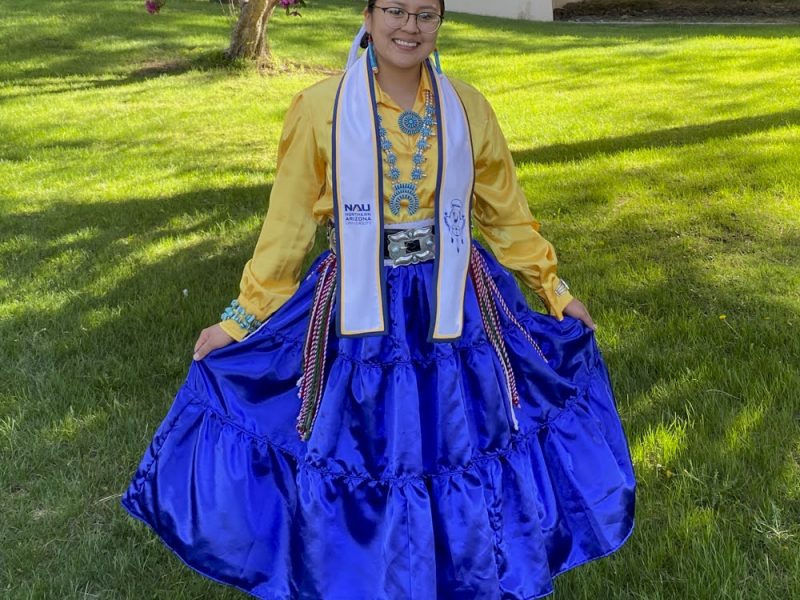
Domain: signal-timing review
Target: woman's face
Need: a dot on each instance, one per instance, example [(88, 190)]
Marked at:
[(403, 47)]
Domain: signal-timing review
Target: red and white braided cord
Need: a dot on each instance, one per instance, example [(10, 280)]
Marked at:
[(323, 348), (501, 301), (492, 328), (327, 270)]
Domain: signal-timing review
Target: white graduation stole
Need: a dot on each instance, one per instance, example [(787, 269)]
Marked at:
[(357, 166)]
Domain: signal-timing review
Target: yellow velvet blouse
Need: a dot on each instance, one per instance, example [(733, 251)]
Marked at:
[(301, 199)]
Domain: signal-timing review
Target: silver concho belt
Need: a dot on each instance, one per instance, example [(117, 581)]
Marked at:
[(402, 246), (410, 246)]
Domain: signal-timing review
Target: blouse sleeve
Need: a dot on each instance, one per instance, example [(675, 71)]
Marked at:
[(271, 276), (502, 215)]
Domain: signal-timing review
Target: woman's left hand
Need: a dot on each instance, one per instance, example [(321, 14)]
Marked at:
[(577, 310)]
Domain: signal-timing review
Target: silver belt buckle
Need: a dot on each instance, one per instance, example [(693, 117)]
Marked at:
[(402, 249)]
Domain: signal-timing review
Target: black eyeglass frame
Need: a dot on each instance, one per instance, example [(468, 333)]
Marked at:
[(415, 15)]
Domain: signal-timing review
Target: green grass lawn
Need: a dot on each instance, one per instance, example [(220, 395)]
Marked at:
[(663, 162)]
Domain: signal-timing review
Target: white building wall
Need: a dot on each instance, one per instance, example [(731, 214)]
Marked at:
[(531, 10)]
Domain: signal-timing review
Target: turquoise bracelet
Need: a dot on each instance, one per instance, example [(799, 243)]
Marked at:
[(241, 317)]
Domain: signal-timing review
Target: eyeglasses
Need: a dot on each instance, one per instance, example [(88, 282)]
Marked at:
[(396, 17)]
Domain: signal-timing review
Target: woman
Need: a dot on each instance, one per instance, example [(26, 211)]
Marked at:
[(402, 425)]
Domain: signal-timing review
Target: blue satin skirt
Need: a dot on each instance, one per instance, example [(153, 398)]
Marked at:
[(414, 484)]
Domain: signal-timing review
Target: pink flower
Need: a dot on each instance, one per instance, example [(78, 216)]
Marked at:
[(153, 6), (292, 6)]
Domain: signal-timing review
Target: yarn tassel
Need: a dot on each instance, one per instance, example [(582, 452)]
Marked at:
[(489, 299), (491, 324), (504, 307), (476, 256), (312, 382)]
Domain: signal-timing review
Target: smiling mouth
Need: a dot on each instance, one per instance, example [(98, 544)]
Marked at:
[(405, 44)]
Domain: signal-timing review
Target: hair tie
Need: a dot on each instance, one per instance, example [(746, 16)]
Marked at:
[(358, 42)]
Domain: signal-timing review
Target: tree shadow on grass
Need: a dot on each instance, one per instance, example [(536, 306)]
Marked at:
[(698, 312), (86, 374), (123, 44), (128, 365), (91, 359), (127, 263), (698, 308), (115, 44), (95, 37), (710, 407), (101, 338), (662, 138), (107, 364)]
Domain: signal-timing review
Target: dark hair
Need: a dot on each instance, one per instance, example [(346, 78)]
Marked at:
[(371, 8)]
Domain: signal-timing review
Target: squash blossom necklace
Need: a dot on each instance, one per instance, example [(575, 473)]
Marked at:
[(410, 123)]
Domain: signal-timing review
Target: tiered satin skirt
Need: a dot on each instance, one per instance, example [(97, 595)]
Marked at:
[(415, 482)]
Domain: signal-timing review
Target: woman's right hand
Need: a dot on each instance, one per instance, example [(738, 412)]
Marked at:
[(210, 339)]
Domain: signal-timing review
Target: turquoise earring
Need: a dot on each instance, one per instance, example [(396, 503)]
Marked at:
[(436, 62), (373, 62)]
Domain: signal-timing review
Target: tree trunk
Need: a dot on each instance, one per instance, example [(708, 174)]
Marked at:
[(249, 38)]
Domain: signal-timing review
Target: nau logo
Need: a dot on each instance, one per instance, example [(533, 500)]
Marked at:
[(356, 208), (357, 214)]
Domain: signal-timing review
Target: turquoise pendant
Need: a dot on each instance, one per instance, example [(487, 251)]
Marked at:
[(410, 122), (407, 192)]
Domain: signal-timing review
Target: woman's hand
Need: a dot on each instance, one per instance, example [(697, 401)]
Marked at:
[(577, 310), (210, 339)]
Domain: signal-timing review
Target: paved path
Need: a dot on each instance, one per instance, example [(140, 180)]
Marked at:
[(599, 21)]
